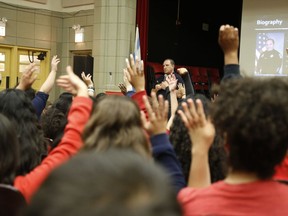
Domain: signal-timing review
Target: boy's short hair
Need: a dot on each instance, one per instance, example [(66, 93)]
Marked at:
[(252, 113)]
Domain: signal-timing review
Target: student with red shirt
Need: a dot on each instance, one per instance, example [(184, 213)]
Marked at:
[(252, 116), (69, 145)]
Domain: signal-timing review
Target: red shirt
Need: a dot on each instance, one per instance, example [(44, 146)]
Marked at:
[(253, 199), (70, 144)]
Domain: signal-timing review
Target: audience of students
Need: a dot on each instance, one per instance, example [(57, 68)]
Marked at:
[(98, 154)]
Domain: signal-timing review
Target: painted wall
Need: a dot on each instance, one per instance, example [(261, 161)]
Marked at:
[(54, 5), (109, 30)]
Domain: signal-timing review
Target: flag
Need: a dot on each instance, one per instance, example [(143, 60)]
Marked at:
[(260, 43), (137, 50), (260, 47)]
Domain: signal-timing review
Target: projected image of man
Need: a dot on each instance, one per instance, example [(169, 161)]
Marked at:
[(270, 60)]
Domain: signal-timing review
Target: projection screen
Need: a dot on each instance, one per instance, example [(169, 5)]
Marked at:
[(264, 38)]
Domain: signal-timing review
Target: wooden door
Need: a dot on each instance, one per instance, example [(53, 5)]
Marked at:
[(25, 57), (5, 69)]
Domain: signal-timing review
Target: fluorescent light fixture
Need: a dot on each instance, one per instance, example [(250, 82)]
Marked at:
[(3, 21), (79, 33)]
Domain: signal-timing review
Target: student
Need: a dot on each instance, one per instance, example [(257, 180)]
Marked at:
[(78, 115), (114, 182), (9, 151), (12, 203), (181, 141), (256, 139), (16, 106), (28, 77)]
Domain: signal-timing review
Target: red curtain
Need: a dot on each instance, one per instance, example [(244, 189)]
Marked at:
[(142, 20)]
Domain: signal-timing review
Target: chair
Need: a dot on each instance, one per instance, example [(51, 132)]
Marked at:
[(204, 78), (214, 76), (157, 68), (196, 78), (12, 202)]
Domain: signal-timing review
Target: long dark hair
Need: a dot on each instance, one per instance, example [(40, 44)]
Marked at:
[(9, 151), (15, 105)]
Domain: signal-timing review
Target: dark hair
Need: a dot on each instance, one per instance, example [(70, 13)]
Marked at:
[(115, 122), (181, 142), (54, 119), (53, 123), (16, 106), (31, 93), (63, 102), (171, 61), (253, 115), (9, 151), (115, 182)]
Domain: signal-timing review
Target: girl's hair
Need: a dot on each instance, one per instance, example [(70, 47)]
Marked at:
[(116, 122), (181, 141), (9, 151), (16, 106)]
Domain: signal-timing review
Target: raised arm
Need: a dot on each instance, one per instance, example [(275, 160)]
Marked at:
[(50, 80), (163, 151), (72, 83), (135, 75), (126, 87), (202, 133), (28, 77), (41, 97), (88, 80), (228, 40), (71, 142), (172, 83), (189, 89)]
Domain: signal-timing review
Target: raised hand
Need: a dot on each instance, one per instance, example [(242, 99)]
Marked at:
[(50, 80), (172, 82), (54, 63), (72, 83), (123, 88), (181, 92), (135, 73), (157, 114), (87, 79), (28, 77), (126, 85), (228, 40), (182, 71), (201, 130)]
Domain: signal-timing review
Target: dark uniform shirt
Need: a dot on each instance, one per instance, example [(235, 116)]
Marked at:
[(269, 62)]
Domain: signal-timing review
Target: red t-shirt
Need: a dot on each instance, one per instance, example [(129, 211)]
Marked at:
[(281, 171), (253, 199)]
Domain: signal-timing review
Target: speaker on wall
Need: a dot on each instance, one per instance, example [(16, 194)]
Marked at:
[(83, 63)]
